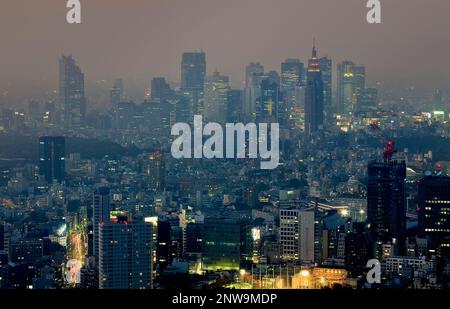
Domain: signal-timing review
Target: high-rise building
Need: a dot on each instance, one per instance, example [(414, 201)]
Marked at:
[(225, 243), (163, 256), (160, 89), (314, 98), (116, 94), (296, 235), (326, 67), (216, 96), (434, 214), (351, 87), (254, 74), (268, 103), (101, 210), (193, 72), (345, 88), (155, 170), (52, 158), (235, 106), (368, 100), (71, 92), (125, 254), (386, 210), (292, 79), (359, 81), (357, 250)]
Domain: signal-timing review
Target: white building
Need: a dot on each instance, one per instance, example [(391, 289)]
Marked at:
[(296, 235)]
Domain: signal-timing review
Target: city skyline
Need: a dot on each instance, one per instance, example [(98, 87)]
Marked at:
[(152, 36), (228, 145)]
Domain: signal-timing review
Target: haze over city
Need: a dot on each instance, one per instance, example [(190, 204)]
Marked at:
[(137, 40)]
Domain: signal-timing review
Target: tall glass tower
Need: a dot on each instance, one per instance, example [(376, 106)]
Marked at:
[(314, 96)]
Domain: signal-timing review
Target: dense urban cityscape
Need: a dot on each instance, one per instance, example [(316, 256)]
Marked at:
[(94, 199), (103, 189)]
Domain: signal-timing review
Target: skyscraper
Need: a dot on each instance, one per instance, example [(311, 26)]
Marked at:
[(386, 211), (434, 213), (52, 154), (357, 250), (116, 94), (368, 100), (193, 72), (160, 89), (235, 106), (163, 256), (216, 95), (155, 170), (125, 254), (254, 74), (101, 209), (292, 77), (351, 87), (345, 88), (296, 235), (326, 67), (71, 92), (268, 103), (314, 96), (359, 81)]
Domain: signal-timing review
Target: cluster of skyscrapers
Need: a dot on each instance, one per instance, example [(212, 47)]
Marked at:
[(136, 218)]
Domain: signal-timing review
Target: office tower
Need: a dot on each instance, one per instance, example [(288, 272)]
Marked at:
[(163, 256), (235, 101), (101, 210), (193, 246), (368, 100), (254, 74), (90, 239), (116, 94), (176, 244), (318, 235), (194, 238), (125, 254), (216, 92), (252, 69), (313, 96), (224, 243), (52, 158), (296, 235), (155, 169), (160, 89), (292, 76), (434, 214), (292, 81), (386, 212), (345, 87), (359, 81), (193, 71), (357, 250), (155, 115), (71, 92), (326, 67), (268, 103)]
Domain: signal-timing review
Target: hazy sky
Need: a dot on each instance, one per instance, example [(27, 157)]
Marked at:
[(139, 39)]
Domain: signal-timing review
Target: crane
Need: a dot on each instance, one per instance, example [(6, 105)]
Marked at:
[(389, 144)]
